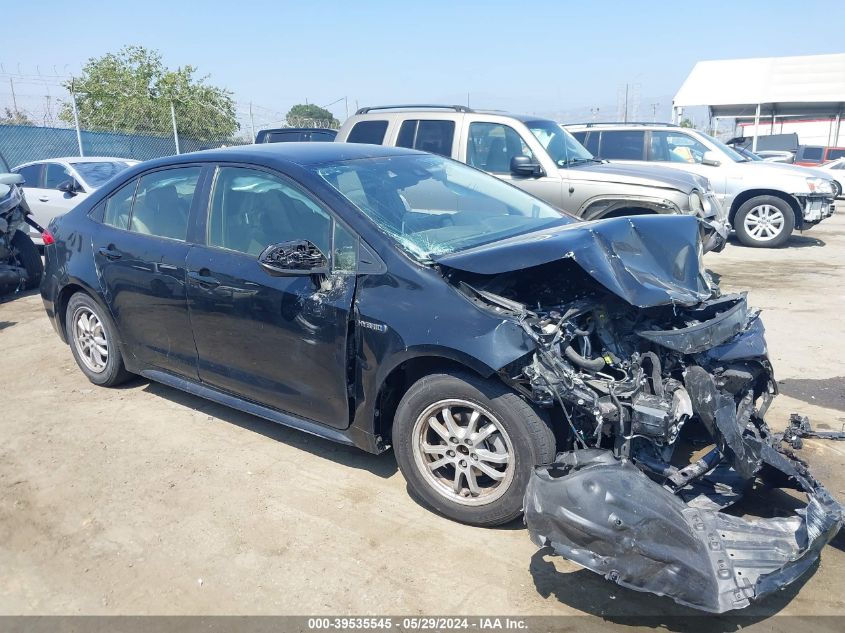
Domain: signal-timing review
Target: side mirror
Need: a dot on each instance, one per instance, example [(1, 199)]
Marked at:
[(298, 257), (525, 166), (711, 158), (69, 187), (11, 179)]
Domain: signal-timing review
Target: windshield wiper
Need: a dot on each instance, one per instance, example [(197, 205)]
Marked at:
[(575, 161)]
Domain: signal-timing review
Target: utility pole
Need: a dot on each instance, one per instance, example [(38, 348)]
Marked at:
[(175, 131), (76, 119), (14, 99), (625, 119), (654, 112), (251, 123)]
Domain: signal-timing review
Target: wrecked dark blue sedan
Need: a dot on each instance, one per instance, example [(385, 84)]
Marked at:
[(511, 356)]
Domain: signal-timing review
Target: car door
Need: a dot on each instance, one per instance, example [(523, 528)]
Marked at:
[(140, 255), (280, 341), (32, 175), (52, 201), (491, 146)]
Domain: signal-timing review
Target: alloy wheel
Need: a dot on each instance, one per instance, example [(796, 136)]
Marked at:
[(89, 337), (764, 222), (463, 452)]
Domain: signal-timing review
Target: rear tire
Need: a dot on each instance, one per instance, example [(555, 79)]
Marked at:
[(29, 258), (486, 437), (764, 222), (93, 341)]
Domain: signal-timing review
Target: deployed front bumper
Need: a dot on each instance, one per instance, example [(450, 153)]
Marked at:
[(608, 516), (816, 208)]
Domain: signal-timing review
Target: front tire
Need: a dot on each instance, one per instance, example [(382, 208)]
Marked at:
[(466, 446), (93, 341), (764, 222)]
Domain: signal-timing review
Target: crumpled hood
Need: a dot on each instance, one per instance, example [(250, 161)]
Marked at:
[(647, 260), (649, 175)]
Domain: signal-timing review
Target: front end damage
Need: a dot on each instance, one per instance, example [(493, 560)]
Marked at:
[(659, 386)]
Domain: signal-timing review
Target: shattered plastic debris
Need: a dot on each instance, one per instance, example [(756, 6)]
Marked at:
[(799, 427), (608, 516)]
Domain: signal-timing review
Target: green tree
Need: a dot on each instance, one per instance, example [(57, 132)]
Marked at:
[(14, 117), (686, 123), (131, 91), (310, 115)]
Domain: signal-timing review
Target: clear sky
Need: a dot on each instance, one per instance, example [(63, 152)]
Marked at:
[(536, 57)]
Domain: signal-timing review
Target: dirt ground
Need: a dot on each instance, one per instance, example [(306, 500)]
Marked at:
[(146, 500)]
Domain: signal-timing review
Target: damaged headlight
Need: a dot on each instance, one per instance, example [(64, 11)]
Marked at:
[(820, 185), (696, 202)]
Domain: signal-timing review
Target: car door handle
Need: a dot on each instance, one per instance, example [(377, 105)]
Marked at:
[(202, 277), (110, 252), (43, 199)]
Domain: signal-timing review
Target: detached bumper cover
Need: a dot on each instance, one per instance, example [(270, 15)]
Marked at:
[(814, 209), (608, 516)]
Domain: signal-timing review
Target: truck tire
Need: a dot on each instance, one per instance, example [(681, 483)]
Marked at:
[(467, 446), (29, 258), (764, 222)]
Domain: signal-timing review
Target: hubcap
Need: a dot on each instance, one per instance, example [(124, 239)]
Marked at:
[(90, 339), (463, 452), (764, 222)]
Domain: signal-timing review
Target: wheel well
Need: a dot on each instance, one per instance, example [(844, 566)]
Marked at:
[(61, 304), (400, 379), (745, 196), (621, 213)]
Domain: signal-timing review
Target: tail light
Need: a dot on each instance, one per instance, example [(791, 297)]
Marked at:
[(48, 238)]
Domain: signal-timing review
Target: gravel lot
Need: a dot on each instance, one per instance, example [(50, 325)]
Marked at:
[(146, 500)]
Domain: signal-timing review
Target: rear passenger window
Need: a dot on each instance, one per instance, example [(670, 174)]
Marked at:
[(428, 136), (163, 201), (31, 175), (622, 144), (119, 206), (251, 209), (371, 132)]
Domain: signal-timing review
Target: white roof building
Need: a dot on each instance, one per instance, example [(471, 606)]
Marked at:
[(767, 88)]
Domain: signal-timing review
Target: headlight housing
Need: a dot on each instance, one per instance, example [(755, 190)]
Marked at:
[(696, 202), (820, 185)]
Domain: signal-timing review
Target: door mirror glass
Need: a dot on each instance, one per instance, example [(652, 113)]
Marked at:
[(69, 187), (297, 257), (525, 166), (711, 158)]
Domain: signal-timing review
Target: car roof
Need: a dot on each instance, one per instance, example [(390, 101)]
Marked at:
[(300, 153), (297, 129), (442, 111), (78, 159)]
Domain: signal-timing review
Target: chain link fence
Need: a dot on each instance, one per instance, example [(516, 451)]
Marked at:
[(43, 118)]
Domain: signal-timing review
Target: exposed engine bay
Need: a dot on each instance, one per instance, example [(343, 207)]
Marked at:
[(626, 386)]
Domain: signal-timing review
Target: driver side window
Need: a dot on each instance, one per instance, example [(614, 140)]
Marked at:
[(252, 209), (491, 146), (674, 147)]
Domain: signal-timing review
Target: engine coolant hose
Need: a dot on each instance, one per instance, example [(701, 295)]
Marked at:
[(592, 364)]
